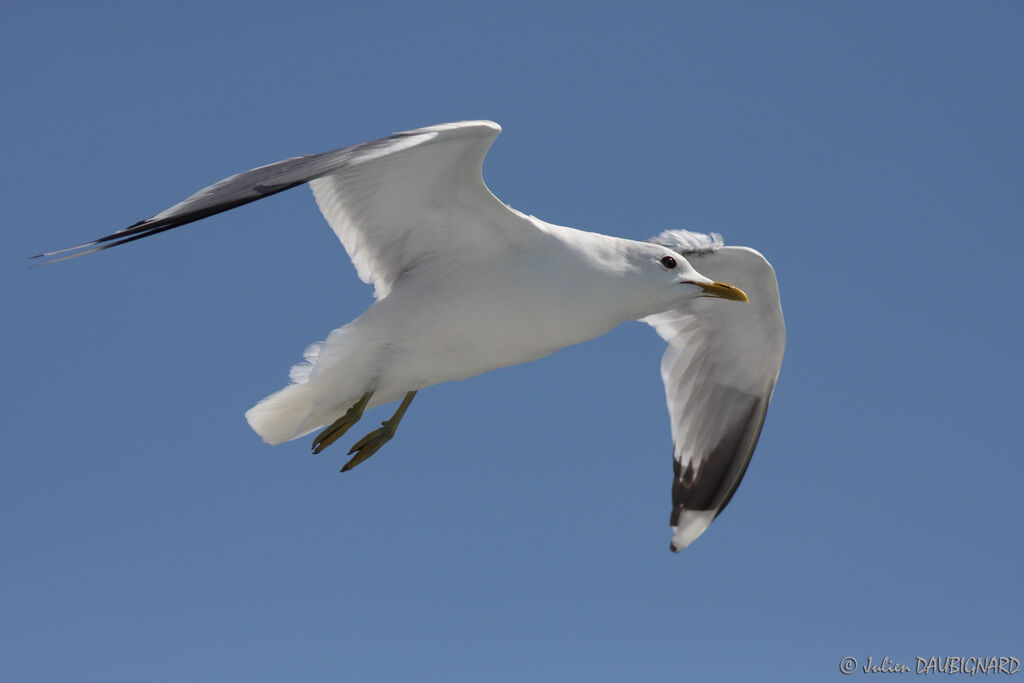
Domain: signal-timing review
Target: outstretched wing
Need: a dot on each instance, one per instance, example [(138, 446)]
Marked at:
[(395, 203), (719, 372), (420, 206)]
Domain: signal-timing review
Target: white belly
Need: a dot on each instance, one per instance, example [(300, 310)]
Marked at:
[(438, 330)]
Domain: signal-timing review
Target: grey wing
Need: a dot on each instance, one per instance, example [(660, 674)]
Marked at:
[(719, 370), (375, 195)]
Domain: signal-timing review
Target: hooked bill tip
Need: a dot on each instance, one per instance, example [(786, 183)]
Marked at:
[(721, 290)]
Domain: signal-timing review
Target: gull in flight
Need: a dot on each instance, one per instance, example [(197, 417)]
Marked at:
[(465, 284)]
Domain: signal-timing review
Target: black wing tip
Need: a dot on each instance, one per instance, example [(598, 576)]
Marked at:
[(55, 257), (87, 247)]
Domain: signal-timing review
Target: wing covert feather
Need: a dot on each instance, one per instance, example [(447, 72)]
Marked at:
[(428, 204)]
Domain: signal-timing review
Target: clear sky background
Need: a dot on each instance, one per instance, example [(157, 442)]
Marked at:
[(517, 527)]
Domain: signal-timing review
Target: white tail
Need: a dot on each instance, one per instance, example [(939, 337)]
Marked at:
[(332, 377), (284, 415)]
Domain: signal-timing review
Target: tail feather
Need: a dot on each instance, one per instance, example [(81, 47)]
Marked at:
[(284, 415), (332, 376)]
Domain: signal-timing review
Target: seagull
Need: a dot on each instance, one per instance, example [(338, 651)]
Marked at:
[(464, 284)]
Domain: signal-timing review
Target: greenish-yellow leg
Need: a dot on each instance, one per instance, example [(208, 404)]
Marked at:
[(371, 443), (338, 428)]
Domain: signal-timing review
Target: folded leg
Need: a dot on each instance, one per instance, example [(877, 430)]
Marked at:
[(371, 443), (338, 428)]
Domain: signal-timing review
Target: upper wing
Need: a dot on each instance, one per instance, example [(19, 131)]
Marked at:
[(426, 204), (393, 202), (719, 372)]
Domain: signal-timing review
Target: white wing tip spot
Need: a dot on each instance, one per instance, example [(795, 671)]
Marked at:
[(692, 523)]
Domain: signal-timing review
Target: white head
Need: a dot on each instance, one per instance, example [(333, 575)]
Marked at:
[(668, 280)]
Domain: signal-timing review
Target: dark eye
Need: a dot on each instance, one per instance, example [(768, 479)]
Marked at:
[(668, 262)]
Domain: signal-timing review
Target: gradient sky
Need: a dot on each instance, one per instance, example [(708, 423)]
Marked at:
[(517, 527)]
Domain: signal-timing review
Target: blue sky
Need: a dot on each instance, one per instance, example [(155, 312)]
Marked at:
[(517, 527)]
